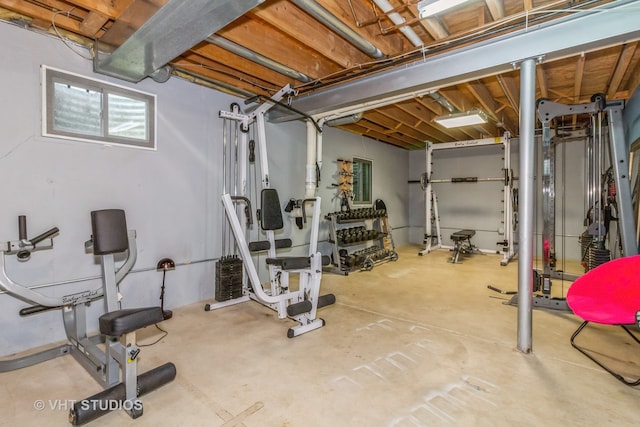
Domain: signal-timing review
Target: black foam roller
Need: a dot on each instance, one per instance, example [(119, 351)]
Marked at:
[(299, 308), (325, 300), (88, 410)]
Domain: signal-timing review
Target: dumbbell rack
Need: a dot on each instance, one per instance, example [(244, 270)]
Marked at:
[(360, 238)]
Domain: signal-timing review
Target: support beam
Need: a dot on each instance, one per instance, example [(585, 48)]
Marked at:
[(526, 206), (615, 23)]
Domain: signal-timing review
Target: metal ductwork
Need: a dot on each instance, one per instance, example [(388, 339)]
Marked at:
[(257, 58), (314, 9), (397, 19), (175, 28), (346, 120)]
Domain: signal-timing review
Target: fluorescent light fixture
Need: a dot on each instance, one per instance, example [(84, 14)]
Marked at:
[(427, 8), (473, 117)]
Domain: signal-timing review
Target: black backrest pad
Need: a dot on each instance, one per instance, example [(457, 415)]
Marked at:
[(109, 229), (270, 210)]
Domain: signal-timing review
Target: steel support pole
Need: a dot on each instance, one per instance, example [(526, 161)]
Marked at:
[(620, 160), (526, 206)]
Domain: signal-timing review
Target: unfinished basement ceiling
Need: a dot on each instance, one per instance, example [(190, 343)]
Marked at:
[(278, 42)]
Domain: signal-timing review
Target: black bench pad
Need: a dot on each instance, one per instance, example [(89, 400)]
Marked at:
[(462, 235), (295, 263), (290, 263), (122, 322), (264, 245)]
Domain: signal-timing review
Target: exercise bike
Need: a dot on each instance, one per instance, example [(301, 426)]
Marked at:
[(111, 356)]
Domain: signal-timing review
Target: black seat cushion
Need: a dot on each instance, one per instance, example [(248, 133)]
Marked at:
[(463, 235), (122, 322)]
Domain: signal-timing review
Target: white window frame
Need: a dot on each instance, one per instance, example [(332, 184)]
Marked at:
[(52, 75), (358, 176)]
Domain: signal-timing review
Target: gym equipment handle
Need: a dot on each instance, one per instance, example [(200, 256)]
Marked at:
[(44, 235), (247, 208), (36, 309), (465, 179)]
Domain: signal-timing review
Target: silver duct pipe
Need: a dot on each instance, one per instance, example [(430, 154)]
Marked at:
[(314, 9), (442, 101), (397, 19), (165, 36), (257, 58), (215, 84), (346, 120)]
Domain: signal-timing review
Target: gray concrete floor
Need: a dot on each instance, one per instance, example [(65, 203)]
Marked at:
[(417, 342)]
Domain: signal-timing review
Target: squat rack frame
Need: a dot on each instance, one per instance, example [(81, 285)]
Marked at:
[(431, 201)]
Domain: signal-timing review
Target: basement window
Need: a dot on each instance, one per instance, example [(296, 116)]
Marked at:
[(83, 109), (362, 181)]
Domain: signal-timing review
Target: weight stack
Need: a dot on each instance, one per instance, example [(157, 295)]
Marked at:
[(228, 278), (598, 256)]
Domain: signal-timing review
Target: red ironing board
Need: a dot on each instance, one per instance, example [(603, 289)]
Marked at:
[(609, 295)]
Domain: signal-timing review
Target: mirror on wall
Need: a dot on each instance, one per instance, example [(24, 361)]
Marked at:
[(362, 181)]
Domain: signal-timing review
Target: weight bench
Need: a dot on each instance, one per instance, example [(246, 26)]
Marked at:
[(462, 245), (118, 327)]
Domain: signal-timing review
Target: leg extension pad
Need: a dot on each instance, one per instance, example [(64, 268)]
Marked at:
[(306, 306), (99, 404)]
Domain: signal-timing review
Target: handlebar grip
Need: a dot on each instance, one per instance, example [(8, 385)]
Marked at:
[(22, 227), (44, 235), (36, 309)]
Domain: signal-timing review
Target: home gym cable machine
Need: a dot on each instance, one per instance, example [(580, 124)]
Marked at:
[(509, 197), (607, 187), (300, 305), (111, 356)]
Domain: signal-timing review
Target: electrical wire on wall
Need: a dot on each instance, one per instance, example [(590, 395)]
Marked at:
[(64, 39)]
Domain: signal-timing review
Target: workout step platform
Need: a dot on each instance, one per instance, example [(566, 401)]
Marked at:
[(120, 322)]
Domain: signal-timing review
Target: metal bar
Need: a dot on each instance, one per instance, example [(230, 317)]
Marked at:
[(526, 207), (548, 205), (494, 179), (428, 200), (507, 205), (615, 22), (246, 256), (470, 143), (619, 159)]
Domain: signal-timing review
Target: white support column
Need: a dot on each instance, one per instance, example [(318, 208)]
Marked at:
[(526, 207), (262, 149), (310, 180)]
